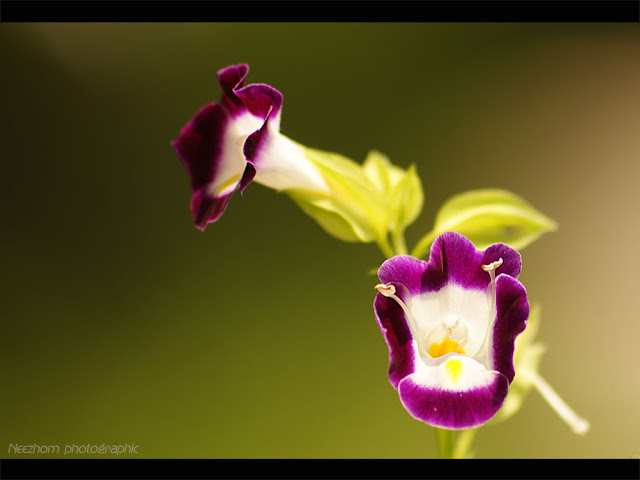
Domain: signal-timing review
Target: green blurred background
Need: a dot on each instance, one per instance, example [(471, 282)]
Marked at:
[(122, 323)]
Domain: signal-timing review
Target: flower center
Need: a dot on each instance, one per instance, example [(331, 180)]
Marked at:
[(450, 320), (446, 346), (447, 337)]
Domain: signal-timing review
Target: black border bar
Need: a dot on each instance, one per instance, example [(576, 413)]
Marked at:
[(320, 10), (298, 468)]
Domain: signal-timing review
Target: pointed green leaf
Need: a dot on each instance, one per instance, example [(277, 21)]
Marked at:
[(381, 172), (406, 200), (492, 216), (332, 221)]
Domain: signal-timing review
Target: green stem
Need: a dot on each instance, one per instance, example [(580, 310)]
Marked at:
[(399, 243), (578, 424), (463, 443), (385, 247), (423, 244), (445, 442)]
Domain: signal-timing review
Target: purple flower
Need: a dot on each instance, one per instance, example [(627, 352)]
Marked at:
[(450, 325), (228, 144)]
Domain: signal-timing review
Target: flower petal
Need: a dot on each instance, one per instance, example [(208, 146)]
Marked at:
[(258, 99), (395, 330), (203, 148), (456, 394), (453, 259), (405, 270), (231, 79), (511, 319), (207, 208), (211, 144)]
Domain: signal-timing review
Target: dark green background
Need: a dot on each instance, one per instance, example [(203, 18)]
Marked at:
[(122, 323)]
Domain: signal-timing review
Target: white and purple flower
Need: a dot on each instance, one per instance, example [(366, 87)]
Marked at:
[(228, 144), (450, 325)]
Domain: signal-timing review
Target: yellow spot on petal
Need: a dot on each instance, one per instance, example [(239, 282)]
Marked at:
[(228, 182), (447, 346), (454, 368)]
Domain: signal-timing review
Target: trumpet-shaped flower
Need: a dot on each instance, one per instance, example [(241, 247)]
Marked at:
[(228, 144), (450, 325)]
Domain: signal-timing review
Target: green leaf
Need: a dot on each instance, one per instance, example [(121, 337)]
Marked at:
[(354, 209), (381, 172), (489, 216), (403, 195), (362, 203), (406, 200), (331, 220)]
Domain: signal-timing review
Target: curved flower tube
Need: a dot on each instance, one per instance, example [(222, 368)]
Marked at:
[(450, 325), (212, 147)]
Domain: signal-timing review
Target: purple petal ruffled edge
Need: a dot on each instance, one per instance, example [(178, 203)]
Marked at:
[(258, 99), (199, 147), (453, 259), (200, 144), (512, 307)]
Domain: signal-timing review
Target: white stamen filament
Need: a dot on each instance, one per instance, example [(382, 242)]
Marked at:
[(491, 300), (491, 290), (578, 424), (390, 292)]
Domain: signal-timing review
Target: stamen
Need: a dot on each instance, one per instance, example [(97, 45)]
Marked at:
[(390, 292), (449, 325), (491, 289), (386, 290), (492, 266), (491, 299), (457, 330)]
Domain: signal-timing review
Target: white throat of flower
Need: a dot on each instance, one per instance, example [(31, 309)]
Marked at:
[(450, 334)]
